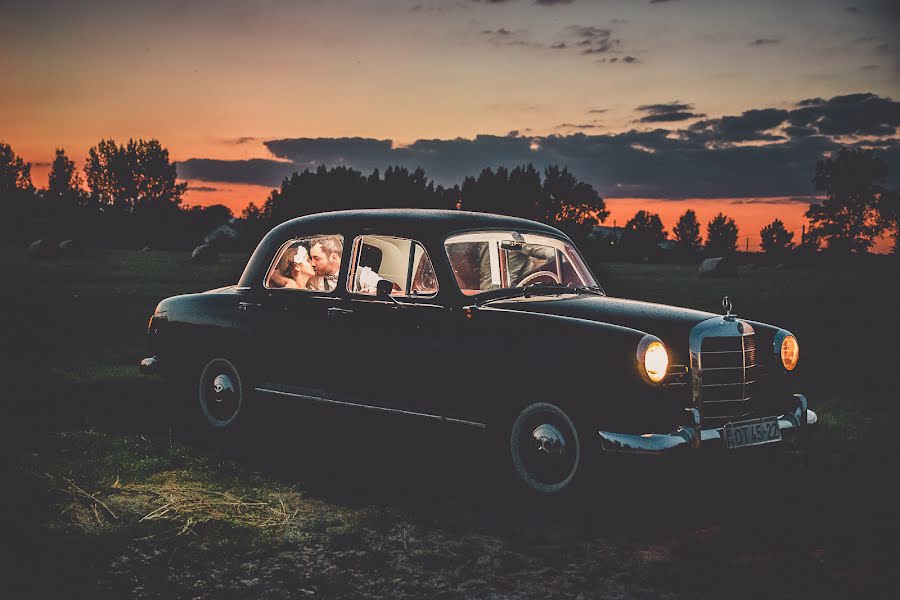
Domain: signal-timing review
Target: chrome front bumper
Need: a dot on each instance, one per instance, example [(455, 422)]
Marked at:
[(694, 437)]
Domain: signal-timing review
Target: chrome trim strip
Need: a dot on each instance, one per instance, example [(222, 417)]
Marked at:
[(322, 400), (728, 400)]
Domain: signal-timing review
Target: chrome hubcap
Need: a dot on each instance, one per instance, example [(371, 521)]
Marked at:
[(548, 440), (222, 385), (221, 397), (546, 449)]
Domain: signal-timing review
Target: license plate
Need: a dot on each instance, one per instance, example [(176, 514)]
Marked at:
[(752, 433)]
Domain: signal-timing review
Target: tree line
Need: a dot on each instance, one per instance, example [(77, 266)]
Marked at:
[(128, 195)]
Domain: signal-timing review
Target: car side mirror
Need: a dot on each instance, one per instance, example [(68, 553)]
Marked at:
[(383, 290)]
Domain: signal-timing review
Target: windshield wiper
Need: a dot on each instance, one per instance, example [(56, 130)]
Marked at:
[(538, 289)]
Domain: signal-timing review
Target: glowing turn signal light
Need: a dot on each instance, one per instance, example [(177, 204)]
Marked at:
[(656, 361), (790, 352)]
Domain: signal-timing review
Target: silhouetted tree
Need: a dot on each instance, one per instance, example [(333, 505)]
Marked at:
[(848, 220), (558, 199), (687, 233), (341, 188), (15, 173), (777, 241), (572, 205), (64, 186), (16, 195), (135, 178), (721, 236), (642, 234), (134, 194), (889, 211)]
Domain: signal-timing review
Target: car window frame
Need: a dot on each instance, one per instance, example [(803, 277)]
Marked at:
[(283, 247), (454, 283), (352, 266)]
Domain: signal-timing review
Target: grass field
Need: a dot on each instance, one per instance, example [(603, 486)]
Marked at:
[(105, 498)]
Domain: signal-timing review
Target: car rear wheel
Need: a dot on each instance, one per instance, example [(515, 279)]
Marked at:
[(220, 394), (545, 448)]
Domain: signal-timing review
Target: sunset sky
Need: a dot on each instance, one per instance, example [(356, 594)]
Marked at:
[(660, 104)]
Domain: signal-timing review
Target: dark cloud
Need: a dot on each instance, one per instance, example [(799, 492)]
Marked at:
[(40, 164), (855, 10), (668, 112), (577, 126), (751, 125), (312, 151), (241, 140), (870, 67), (765, 42), (506, 37), (592, 40), (597, 111), (794, 131), (615, 59), (849, 115), (776, 200), (536, 2), (205, 188), (582, 39), (660, 1), (706, 160), (258, 171)]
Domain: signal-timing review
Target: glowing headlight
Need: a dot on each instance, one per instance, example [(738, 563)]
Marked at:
[(790, 352), (653, 357)]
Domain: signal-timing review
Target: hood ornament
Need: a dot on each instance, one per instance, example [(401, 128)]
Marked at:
[(726, 304)]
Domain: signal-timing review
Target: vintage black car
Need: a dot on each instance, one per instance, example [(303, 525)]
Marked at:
[(476, 321)]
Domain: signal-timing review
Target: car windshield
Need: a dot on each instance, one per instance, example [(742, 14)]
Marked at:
[(495, 260)]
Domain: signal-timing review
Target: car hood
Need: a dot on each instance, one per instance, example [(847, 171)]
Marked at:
[(672, 324)]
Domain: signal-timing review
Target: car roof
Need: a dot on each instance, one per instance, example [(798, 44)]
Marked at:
[(421, 220)]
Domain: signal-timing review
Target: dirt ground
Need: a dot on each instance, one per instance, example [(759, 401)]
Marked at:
[(382, 511)]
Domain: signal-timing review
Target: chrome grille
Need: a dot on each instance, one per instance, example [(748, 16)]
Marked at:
[(728, 373)]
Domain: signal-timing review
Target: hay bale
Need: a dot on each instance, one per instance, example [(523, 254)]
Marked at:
[(42, 249), (205, 254), (224, 236), (719, 266), (71, 249)]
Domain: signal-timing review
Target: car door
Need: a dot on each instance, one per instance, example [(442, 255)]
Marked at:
[(294, 344), (390, 344)]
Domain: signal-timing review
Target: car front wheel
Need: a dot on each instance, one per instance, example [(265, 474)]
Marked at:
[(545, 448), (221, 394)]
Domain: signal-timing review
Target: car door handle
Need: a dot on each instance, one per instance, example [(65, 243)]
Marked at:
[(337, 313), (248, 306)]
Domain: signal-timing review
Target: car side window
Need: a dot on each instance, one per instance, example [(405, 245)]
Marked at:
[(309, 263), (403, 262)]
